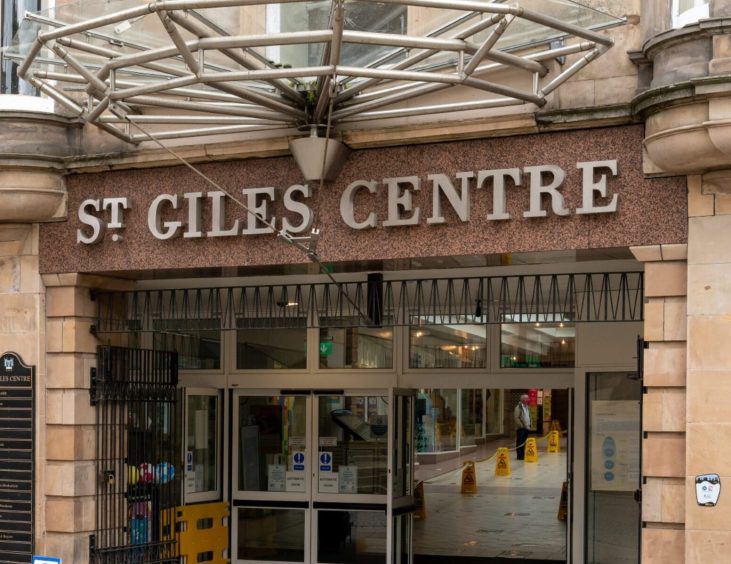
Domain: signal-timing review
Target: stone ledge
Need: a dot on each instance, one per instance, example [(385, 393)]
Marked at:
[(657, 253), (703, 28), (697, 89)]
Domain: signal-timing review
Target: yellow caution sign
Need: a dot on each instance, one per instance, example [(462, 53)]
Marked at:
[(469, 477), (419, 501), (531, 450), (502, 462), (554, 441)]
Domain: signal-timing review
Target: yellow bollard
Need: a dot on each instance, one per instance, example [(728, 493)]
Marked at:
[(531, 450), (469, 477), (554, 441), (419, 501), (502, 462)]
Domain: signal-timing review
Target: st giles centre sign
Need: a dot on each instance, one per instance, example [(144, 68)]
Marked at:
[(172, 215)]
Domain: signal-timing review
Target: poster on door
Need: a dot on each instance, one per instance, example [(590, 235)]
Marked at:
[(615, 445)]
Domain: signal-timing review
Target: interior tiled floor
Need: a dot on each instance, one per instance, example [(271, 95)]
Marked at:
[(509, 517)]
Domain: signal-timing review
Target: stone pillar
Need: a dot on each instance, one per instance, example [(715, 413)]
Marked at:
[(708, 529), (663, 420), (70, 481)]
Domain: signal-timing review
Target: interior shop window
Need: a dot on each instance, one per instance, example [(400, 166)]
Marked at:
[(537, 345), (689, 11), (493, 411), (472, 409), (436, 420), (271, 349), (198, 348), (359, 16), (448, 346), (356, 347)]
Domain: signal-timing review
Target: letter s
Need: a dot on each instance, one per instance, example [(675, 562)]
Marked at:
[(96, 224)]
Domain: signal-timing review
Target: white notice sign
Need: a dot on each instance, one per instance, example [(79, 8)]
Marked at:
[(707, 489), (329, 482), (615, 445), (328, 441), (348, 476), (295, 481), (276, 475), (297, 442)]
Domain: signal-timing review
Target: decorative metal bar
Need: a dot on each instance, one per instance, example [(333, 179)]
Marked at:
[(589, 297)]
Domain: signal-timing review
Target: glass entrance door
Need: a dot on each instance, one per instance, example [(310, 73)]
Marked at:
[(322, 477), (613, 467), (270, 476)]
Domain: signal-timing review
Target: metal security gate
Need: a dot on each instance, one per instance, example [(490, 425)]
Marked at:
[(138, 484)]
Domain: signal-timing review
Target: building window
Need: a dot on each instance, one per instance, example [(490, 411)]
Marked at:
[(198, 348), (689, 11), (448, 346), (356, 347), (537, 345), (271, 349), (11, 16)]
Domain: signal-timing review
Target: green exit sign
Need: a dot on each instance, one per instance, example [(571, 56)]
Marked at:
[(326, 348)]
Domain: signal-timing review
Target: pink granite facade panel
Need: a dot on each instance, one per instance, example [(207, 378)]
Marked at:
[(650, 211)]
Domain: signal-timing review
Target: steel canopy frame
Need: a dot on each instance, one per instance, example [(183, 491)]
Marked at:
[(114, 83)]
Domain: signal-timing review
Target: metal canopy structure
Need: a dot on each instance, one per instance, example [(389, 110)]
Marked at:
[(184, 68)]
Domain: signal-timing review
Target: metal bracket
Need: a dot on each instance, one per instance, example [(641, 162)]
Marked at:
[(92, 386), (557, 44)]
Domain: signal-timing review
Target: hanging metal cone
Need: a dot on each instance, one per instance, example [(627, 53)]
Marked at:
[(309, 153)]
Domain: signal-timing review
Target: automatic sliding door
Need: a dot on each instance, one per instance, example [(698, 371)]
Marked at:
[(322, 479), (271, 469), (351, 479)]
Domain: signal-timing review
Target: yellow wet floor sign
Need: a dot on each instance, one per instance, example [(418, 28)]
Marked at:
[(502, 462), (531, 450), (554, 441), (469, 477)]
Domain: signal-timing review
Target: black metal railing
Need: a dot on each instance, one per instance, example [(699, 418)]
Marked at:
[(614, 296), (138, 482)]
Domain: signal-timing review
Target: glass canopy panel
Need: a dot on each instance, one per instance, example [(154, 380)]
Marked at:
[(146, 31), (229, 66)]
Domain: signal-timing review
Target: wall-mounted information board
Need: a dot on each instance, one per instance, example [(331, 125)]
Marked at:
[(17, 407)]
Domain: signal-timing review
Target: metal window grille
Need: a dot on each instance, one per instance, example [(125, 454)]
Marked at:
[(138, 483), (590, 297)]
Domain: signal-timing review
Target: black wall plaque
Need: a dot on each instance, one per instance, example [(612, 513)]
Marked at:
[(17, 458)]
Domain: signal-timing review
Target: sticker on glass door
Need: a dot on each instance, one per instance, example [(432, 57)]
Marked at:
[(328, 480)]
